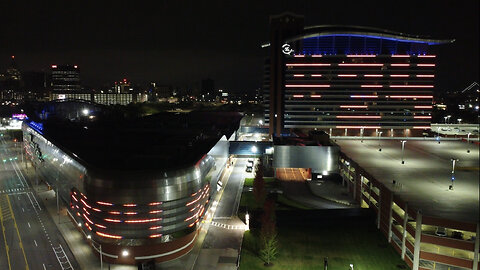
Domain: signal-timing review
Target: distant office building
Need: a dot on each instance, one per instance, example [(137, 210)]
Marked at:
[(65, 78), (347, 79), (207, 91), (101, 98), (123, 86)]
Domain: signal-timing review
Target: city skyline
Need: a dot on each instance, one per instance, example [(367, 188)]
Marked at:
[(183, 44)]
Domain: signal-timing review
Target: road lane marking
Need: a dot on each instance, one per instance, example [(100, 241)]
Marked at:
[(29, 224), (18, 233), (5, 239), (35, 243), (44, 268)]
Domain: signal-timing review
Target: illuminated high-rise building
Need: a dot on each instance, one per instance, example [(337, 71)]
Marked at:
[(65, 78), (347, 80)]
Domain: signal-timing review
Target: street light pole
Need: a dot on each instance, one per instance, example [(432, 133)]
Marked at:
[(379, 146), (361, 135), (453, 171), (468, 142), (403, 147)]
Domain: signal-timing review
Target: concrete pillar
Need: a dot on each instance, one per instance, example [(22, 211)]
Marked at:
[(418, 236), (390, 218), (355, 179), (379, 209), (404, 235), (476, 250)]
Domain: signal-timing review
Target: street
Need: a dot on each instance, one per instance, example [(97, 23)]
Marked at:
[(30, 240)]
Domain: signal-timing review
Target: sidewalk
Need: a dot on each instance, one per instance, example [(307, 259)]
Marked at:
[(75, 240), (203, 256)]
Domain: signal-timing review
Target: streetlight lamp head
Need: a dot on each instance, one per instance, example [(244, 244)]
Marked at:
[(85, 111), (125, 253), (89, 236)]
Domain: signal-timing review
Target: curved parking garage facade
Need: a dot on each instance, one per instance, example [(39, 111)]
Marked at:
[(135, 214)]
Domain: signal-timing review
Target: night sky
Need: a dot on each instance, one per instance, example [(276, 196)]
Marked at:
[(183, 42)]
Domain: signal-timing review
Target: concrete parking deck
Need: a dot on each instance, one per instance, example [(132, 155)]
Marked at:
[(423, 181)]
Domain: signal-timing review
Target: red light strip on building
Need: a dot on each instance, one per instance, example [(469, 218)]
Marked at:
[(317, 55), (155, 235), (155, 227), (400, 55), (411, 96), (360, 65), (358, 127), (425, 65), (425, 76), (96, 209), (307, 85), (155, 211), (421, 127), (84, 203), (105, 203), (411, 86), (359, 116), (371, 86), (426, 56), (74, 198), (114, 213), (361, 55), (316, 75), (299, 55), (399, 65), (109, 235), (83, 196), (298, 75), (423, 107), (194, 201), (315, 96), (130, 205), (191, 225), (112, 220), (399, 76), (308, 65), (142, 220), (363, 96), (373, 75), (347, 75), (130, 213), (88, 220), (422, 117), (154, 203), (88, 226), (100, 226), (354, 106), (298, 96)]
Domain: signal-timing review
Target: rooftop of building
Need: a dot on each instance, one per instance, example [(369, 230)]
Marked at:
[(423, 181), (164, 141)]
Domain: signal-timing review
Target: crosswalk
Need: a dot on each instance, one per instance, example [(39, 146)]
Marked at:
[(15, 190), (227, 226)]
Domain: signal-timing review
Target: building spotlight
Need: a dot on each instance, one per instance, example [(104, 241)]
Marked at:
[(85, 112), (79, 224), (89, 236), (125, 253)]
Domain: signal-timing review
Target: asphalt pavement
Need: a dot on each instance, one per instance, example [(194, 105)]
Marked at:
[(30, 239)]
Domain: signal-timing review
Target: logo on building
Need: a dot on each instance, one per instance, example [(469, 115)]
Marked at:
[(286, 49), (36, 148)]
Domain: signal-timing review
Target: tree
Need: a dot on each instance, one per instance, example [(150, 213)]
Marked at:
[(269, 251), (268, 234), (259, 191)]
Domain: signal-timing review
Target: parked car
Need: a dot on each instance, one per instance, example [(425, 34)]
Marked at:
[(249, 169), (441, 231), (457, 235)]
